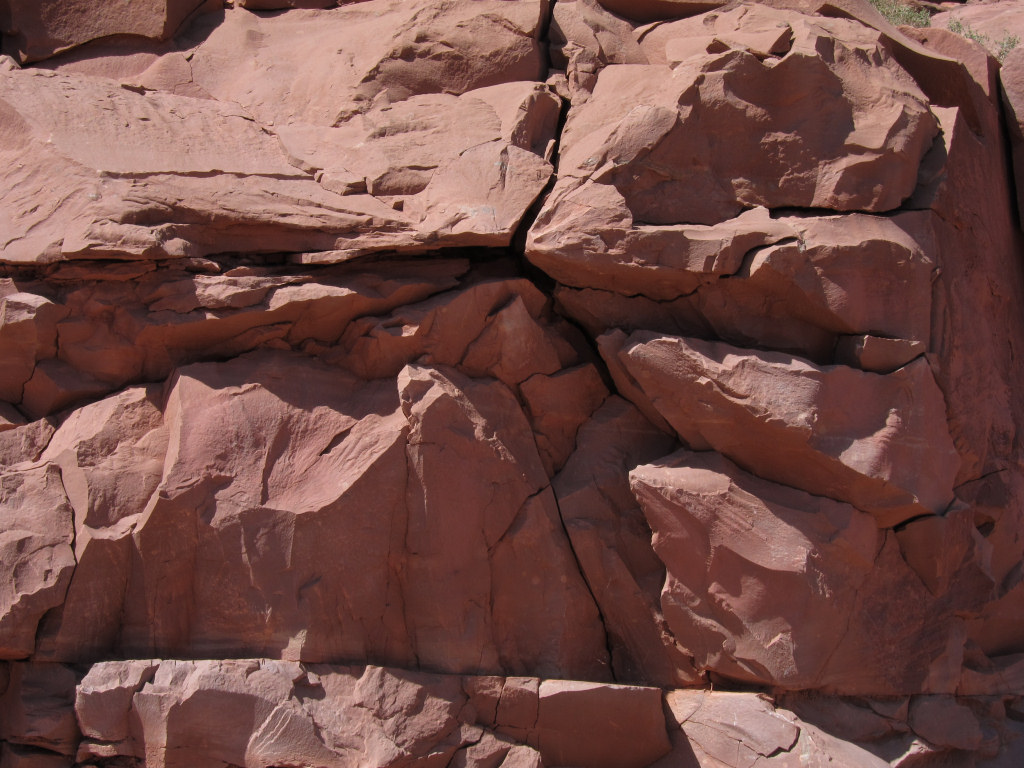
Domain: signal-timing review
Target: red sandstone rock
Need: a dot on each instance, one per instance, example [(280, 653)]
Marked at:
[(557, 407), (341, 716), (36, 561), (28, 332), (1011, 78), (492, 327), (116, 334), (369, 54), (400, 508), (363, 472), (599, 725), (274, 5), (651, 10), (623, 144), (193, 208), (612, 542), (997, 26), (36, 29), (37, 708), (769, 585), (793, 422), (742, 730), (944, 723)]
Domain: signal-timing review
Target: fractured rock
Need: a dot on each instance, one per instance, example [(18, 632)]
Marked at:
[(414, 170), (770, 585), (612, 541), (38, 29), (745, 730), (793, 422), (36, 560), (701, 142), (117, 332), (362, 468), (37, 708), (340, 716)]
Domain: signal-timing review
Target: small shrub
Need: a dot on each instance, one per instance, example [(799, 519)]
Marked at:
[(1006, 45), (901, 14), (965, 30), (1003, 47)]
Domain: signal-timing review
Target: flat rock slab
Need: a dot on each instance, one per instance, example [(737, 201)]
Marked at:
[(205, 163), (172, 713)]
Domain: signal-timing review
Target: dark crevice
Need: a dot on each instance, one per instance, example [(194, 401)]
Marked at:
[(609, 648)]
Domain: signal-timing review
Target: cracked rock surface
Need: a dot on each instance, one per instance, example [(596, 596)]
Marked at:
[(479, 383)]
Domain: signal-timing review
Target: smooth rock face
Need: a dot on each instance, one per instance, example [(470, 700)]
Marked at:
[(394, 383)]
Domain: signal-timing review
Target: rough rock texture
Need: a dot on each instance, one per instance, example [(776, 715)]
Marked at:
[(486, 383), (37, 29)]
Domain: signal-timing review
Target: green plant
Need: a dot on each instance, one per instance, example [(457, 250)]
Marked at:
[(965, 30), (1006, 45), (1003, 47), (901, 14)]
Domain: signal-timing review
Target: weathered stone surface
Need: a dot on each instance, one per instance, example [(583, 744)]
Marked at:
[(652, 10), (997, 26), (742, 730), (795, 423), (36, 29), (657, 146), (557, 407), (37, 708), (600, 725), (496, 327), (118, 332), (36, 560), (423, 168), (15, 756), (28, 332), (1011, 78), (783, 230), (362, 468), (371, 53), (770, 585), (173, 712), (612, 542), (943, 722), (167, 192)]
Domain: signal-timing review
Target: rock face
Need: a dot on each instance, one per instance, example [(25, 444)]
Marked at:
[(38, 30), (491, 383)]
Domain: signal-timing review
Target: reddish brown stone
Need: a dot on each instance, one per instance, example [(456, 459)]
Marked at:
[(37, 29), (36, 560), (770, 585), (886, 449), (37, 708), (605, 726)]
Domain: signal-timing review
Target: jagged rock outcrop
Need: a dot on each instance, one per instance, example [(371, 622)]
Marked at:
[(508, 384)]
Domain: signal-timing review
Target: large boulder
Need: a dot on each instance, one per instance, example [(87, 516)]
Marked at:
[(879, 442), (37, 29)]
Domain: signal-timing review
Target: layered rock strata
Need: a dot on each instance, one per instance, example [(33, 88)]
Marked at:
[(507, 384)]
